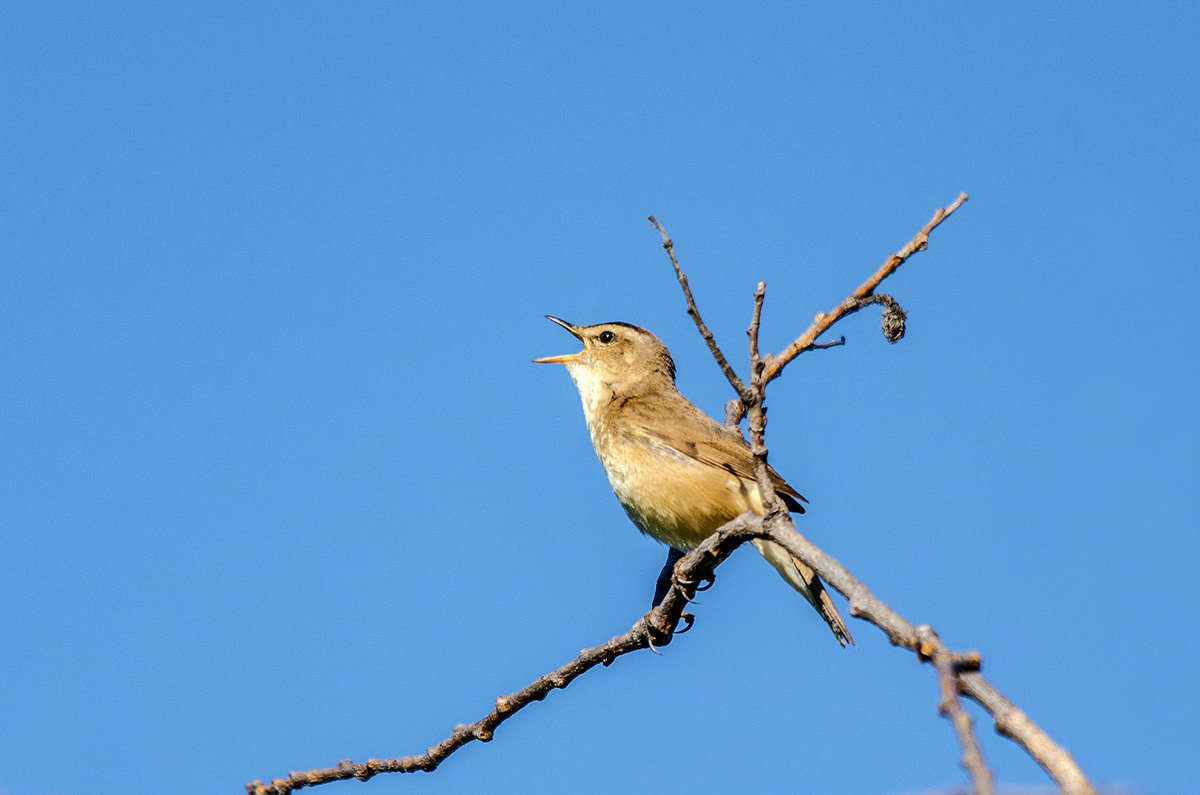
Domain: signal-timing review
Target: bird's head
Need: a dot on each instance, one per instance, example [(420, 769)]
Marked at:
[(616, 357)]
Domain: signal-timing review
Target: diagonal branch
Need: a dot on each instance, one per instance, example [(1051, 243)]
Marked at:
[(856, 300), (1013, 723), (692, 310), (655, 628), (1009, 719), (949, 666)]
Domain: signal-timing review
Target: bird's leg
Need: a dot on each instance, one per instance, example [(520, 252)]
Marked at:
[(666, 577), (667, 581)]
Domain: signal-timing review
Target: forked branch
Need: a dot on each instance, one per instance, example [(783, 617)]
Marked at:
[(957, 673), (1010, 721)]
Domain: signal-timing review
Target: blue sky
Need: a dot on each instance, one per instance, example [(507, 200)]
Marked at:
[(280, 486)]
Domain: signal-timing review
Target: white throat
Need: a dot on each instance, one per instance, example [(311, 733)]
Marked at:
[(594, 391)]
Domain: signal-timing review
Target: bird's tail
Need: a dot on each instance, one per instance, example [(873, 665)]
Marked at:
[(806, 581)]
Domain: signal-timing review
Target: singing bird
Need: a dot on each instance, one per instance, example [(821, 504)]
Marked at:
[(678, 473)]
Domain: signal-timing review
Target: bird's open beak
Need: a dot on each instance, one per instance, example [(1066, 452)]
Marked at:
[(566, 357)]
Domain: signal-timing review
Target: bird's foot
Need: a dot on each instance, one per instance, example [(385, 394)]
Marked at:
[(661, 636), (688, 588)]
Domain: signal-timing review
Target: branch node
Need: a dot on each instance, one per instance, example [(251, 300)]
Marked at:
[(927, 643), (967, 662)]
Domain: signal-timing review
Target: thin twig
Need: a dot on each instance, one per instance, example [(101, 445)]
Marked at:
[(948, 667), (760, 293), (756, 417), (852, 304), (722, 362), (734, 411), (830, 344)]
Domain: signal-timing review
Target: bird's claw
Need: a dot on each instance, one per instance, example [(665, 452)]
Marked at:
[(688, 588), (664, 635), (684, 589), (653, 632)]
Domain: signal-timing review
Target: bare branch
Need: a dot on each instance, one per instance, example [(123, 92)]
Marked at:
[(734, 411), (760, 293), (1010, 721), (852, 304), (655, 628), (692, 310), (948, 667), (756, 416), (956, 672), (830, 344)]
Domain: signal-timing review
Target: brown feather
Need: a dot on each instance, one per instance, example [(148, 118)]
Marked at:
[(721, 447)]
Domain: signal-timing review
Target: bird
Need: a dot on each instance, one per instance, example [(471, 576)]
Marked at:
[(678, 473)]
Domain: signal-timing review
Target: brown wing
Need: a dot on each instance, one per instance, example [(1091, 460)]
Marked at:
[(715, 445)]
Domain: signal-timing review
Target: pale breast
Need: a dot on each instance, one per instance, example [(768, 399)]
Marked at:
[(669, 495)]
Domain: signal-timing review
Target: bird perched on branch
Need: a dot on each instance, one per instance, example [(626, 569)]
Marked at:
[(678, 473)]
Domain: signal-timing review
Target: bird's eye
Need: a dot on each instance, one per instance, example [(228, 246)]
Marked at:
[(606, 337)]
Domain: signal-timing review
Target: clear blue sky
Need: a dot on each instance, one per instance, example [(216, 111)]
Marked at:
[(279, 485)]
